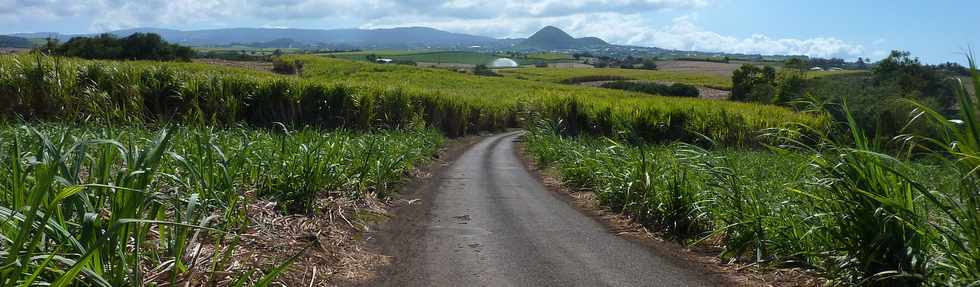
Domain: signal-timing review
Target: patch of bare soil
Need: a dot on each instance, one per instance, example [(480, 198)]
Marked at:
[(705, 92), (254, 65), (703, 256), (326, 244), (331, 244)]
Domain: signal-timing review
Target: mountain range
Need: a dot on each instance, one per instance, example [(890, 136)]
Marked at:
[(548, 38)]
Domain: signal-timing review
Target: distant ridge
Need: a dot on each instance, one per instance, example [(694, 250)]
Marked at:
[(407, 37), (548, 38), (15, 42), (553, 38)]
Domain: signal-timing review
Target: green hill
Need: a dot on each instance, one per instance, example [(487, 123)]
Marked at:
[(552, 38)]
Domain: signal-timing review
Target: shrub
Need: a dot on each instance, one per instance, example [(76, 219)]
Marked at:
[(594, 78), (287, 67), (675, 90), (483, 70)]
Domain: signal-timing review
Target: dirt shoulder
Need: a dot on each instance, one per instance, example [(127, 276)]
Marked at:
[(700, 258), (407, 213)]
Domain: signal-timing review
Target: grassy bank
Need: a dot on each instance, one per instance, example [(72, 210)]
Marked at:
[(842, 206), (334, 93), (90, 205), (816, 211)]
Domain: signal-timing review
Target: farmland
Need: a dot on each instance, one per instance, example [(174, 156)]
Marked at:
[(207, 150), (345, 130), (560, 75), (846, 206), (451, 57), (130, 205)]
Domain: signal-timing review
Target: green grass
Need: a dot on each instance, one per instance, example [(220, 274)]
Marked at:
[(557, 75), (89, 205), (586, 109), (778, 209), (549, 56), (841, 206), (821, 74), (439, 57)]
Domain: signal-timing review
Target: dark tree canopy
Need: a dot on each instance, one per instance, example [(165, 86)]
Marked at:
[(752, 83), (139, 46)]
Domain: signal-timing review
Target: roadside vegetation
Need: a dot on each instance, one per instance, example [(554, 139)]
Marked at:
[(103, 205), (845, 204)]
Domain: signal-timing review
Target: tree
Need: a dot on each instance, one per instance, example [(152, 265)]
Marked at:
[(649, 64), (914, 79), (860, 64), (50, 45), (797, 64), (139, 46), (483, 70), (752, 83)]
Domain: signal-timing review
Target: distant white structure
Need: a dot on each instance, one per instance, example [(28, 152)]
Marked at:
[(383, 61), (816, 69), (836, 69), (503, 63)]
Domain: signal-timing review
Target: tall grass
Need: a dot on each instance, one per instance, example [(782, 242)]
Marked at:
[(853, 215), (110, 206), (840, 205), (342, 94)]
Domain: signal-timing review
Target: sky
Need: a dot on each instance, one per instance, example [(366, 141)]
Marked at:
[(935, 31)]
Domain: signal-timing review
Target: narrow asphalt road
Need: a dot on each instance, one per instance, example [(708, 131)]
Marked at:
[(491, 223)]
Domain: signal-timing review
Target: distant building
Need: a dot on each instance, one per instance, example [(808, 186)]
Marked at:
[(503, 63), (836, 69), (816, 69), (383, 61)]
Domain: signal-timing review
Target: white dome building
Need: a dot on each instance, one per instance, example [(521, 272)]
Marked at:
[(503, 63)]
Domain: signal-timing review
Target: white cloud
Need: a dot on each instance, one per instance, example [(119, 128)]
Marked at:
[(634, 29), (684, 34), (617, 21)]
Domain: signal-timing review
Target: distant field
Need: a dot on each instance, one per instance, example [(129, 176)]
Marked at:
[(246, 49), (550, 56), (713, 68), (820, 74), (450, 57), (556, 75), (642, 114)]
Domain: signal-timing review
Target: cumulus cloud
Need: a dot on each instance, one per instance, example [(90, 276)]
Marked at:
[(685, 34), (617, 21)]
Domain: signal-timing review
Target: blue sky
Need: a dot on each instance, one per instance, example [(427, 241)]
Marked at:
[(936, 31)]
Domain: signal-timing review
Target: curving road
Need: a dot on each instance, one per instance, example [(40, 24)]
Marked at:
[(491, 223)]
